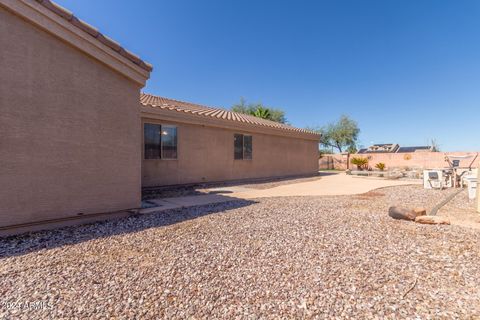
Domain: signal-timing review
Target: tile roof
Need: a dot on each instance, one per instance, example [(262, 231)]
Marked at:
[(67, 15), (199, 110)]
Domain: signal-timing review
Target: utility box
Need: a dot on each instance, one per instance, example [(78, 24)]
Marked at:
[(436, 179), (472, 183)]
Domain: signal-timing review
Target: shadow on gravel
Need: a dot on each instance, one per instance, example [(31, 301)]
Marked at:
[(49, 239)]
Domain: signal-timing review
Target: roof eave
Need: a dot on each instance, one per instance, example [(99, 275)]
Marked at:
[(61, 28)]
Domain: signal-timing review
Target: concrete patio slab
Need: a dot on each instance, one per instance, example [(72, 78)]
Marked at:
[(328, 185)]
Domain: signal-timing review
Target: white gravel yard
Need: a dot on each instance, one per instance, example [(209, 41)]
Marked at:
[(300, 257)]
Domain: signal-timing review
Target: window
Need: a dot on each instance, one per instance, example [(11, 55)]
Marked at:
[(242, 145), (160, 141), (247, 147), (169, 142), (152, 141), (238, 146)]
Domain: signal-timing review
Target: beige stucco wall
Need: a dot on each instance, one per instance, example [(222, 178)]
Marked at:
[(69, 129), (205, 154)]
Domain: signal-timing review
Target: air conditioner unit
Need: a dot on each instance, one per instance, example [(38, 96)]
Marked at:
[(436, 179)]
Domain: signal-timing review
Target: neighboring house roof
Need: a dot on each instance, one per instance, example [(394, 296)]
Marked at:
[(373, 151), (215, 113), (414, 149), (397, 149), (380, 148), (67, 15)]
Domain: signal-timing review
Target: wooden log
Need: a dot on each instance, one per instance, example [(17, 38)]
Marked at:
[(420, 211), (402, 213), (432, 220)]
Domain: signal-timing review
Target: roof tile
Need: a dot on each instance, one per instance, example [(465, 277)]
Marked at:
[(85, 26), (217, 113), (130, 55), (58, 9), (109, 42)]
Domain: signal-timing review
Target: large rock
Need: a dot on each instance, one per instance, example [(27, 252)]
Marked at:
[(432, 220), (420, 211), (402, 213)]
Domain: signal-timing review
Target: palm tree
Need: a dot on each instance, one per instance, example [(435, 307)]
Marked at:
[(261, 112)]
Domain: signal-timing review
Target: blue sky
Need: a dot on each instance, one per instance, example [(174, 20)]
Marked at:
[(407, 71)]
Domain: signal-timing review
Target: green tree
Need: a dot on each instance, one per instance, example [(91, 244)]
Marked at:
[(243, 107), (277, 115), (260, 111), (352, 149), (341, 135)]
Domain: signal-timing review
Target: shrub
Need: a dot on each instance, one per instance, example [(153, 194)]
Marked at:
[(361, 163), (380, 166)]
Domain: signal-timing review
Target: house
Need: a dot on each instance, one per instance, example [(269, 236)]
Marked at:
[(380, 148), (415, 149), (77, 142), (393, 148), (210, 144)]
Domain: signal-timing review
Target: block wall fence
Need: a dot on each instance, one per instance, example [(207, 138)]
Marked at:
[(421, 160)]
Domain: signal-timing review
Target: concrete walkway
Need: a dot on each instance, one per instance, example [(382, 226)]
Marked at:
[(328, 185)]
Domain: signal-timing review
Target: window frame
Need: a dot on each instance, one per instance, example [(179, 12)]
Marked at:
[(166, 125), (243, 146), (176, 141)]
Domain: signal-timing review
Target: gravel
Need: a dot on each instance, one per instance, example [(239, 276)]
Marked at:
[(462, 211), (302, 257)]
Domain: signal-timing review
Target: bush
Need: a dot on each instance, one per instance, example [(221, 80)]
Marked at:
[(361, 163), (380, 166)]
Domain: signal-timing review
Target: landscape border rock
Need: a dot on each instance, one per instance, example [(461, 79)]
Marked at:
[(432, 220), (406, 214)]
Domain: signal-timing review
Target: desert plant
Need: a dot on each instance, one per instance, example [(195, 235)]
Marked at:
[(380, 166), (361, 163), (435, 147)]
